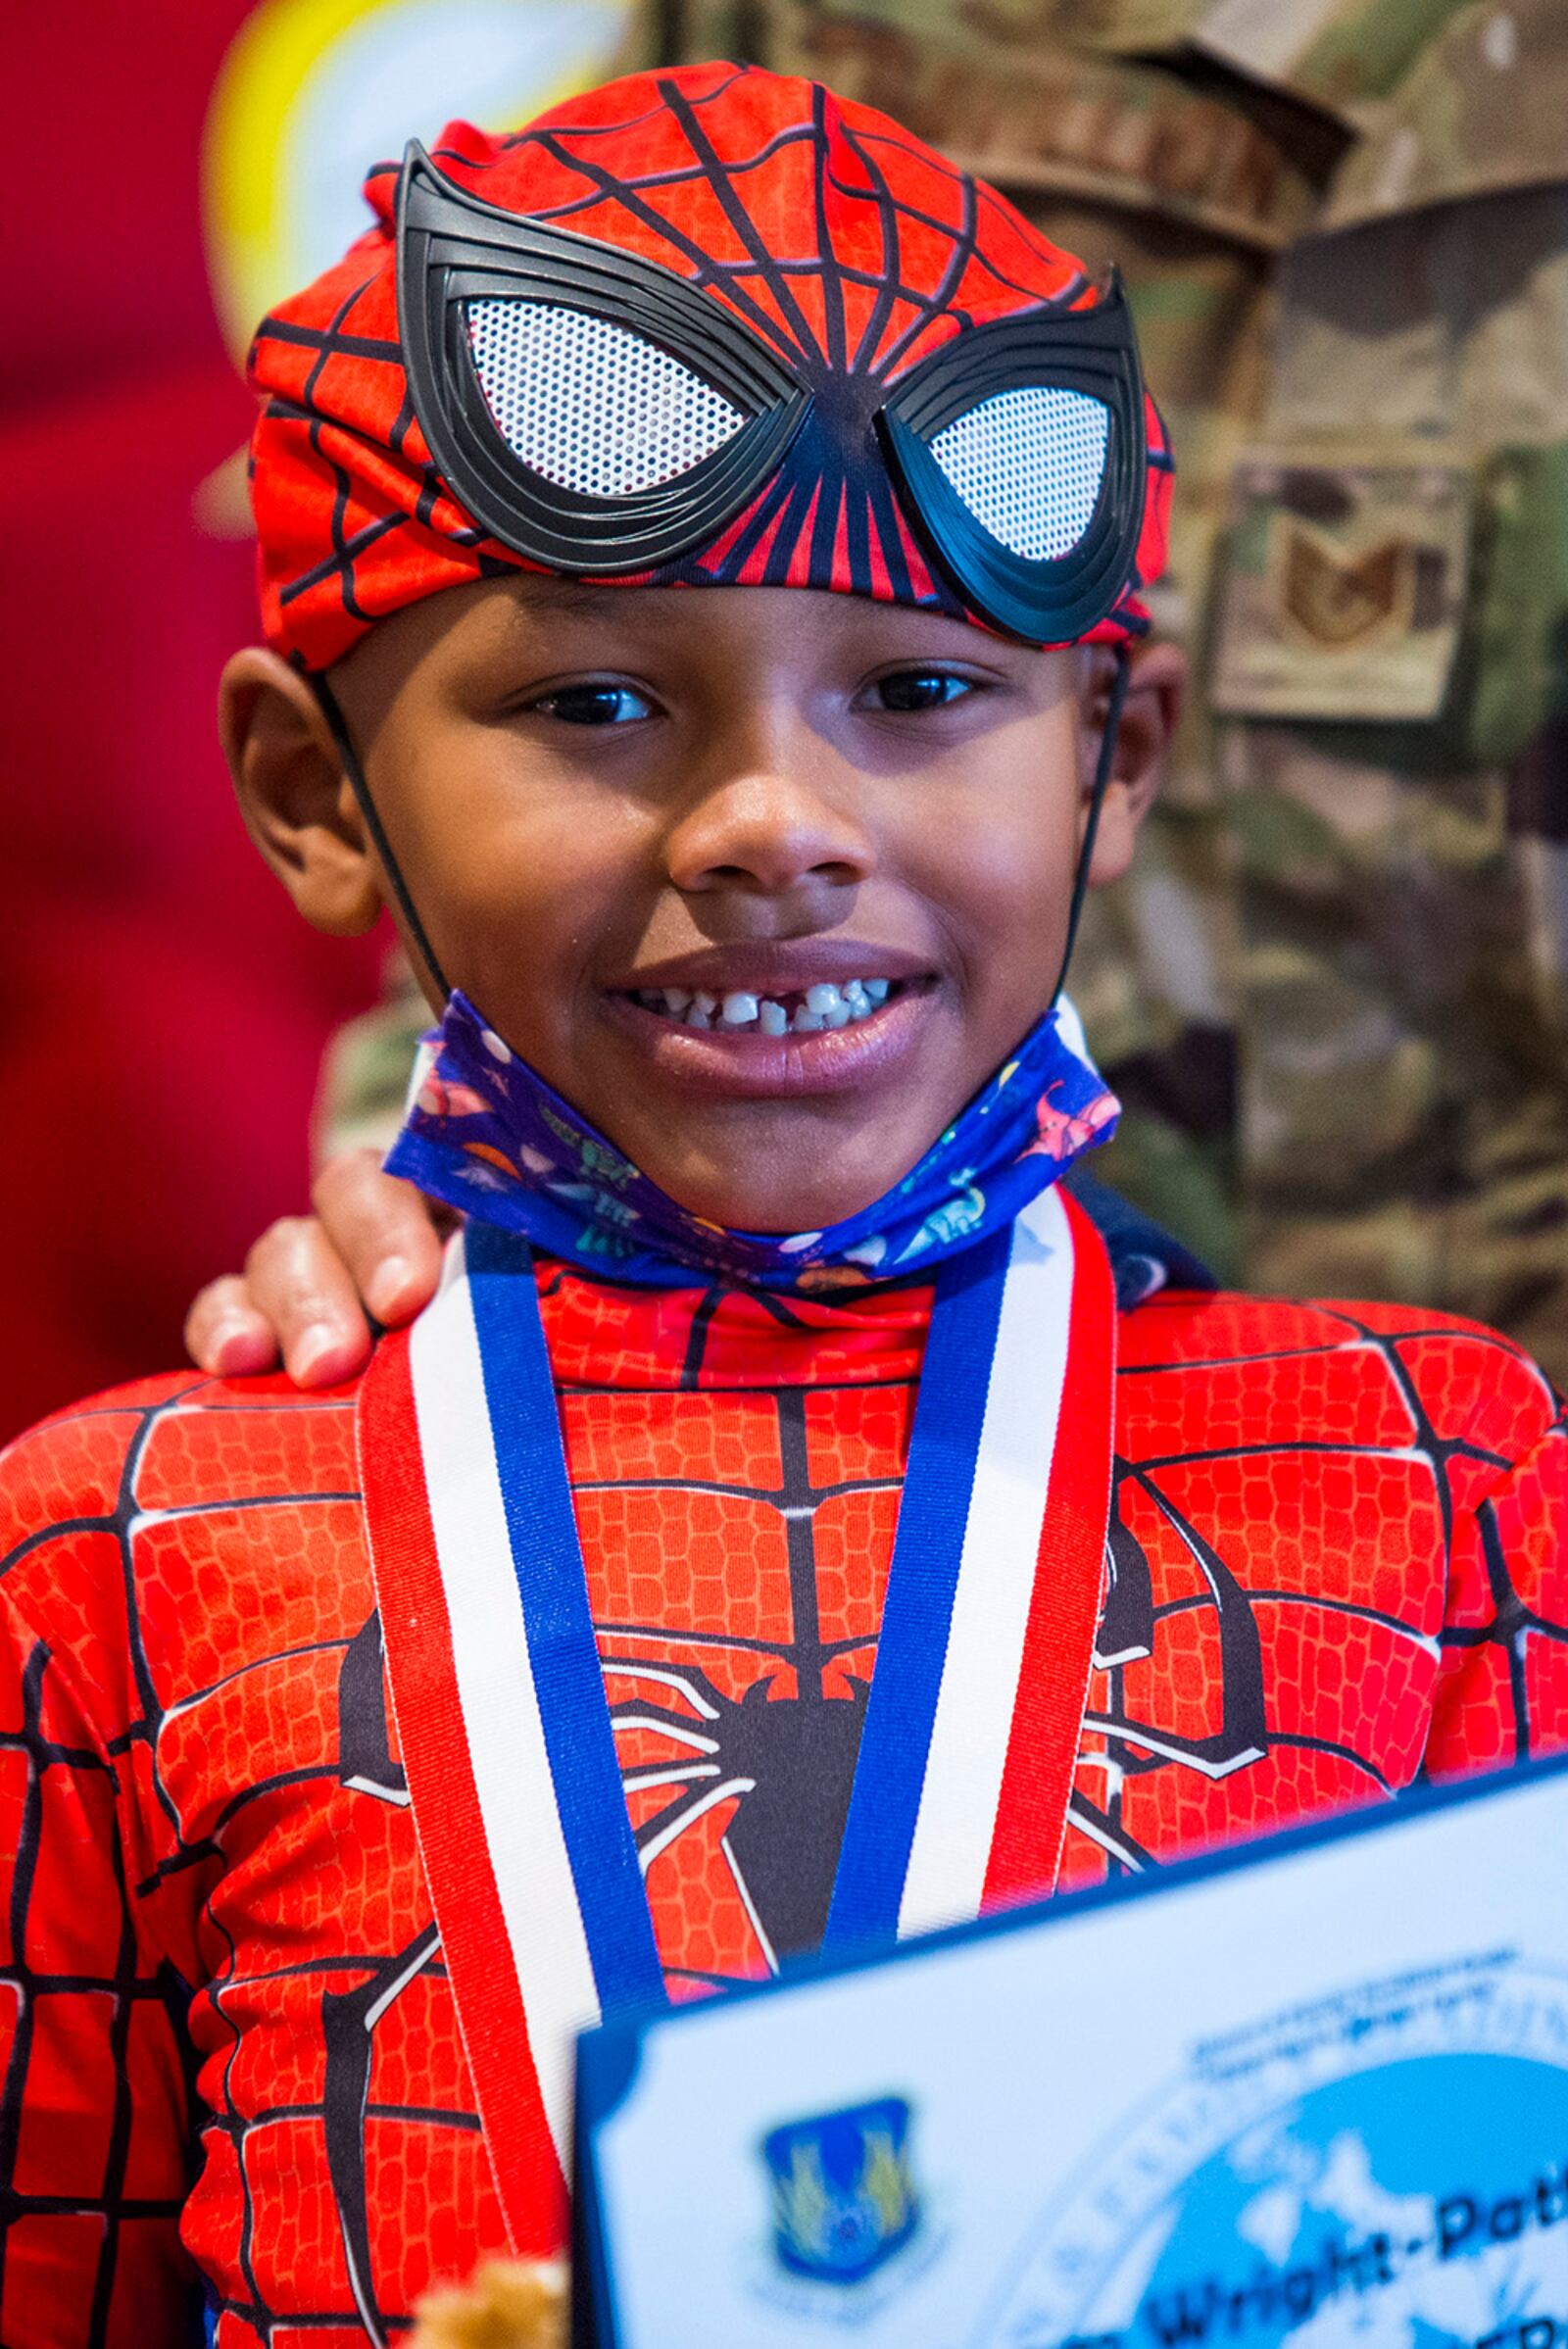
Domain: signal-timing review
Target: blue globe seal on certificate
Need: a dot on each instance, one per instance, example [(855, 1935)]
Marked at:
[(1320, 2222), (1351, 2176), (844, 2198)]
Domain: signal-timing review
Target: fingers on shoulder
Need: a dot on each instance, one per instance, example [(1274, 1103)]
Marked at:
[(296, 1279), (227, 1334), (384, 1231)]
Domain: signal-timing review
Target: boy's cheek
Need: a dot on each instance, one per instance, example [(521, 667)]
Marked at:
[(1015, 924), (1011, 861), (522, 920)]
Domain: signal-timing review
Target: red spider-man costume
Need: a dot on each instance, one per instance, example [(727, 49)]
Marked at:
[(1338, 1543), (233, 2055)]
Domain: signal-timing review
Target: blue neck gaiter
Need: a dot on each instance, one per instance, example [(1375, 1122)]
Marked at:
[(487, 1135)]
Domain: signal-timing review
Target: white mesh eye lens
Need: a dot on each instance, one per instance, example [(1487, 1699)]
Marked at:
[(590, 405), (1028, 463)]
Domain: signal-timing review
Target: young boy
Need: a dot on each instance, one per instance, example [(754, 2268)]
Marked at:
[(836, 1527)]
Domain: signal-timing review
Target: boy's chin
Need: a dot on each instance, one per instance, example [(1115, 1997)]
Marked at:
[(775, 1191)]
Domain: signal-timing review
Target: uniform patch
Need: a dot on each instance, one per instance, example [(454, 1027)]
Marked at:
[(1344, 588), (1335, 603)]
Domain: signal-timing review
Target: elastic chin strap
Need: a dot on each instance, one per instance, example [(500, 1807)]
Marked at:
[(1115, 705), (349, 760)]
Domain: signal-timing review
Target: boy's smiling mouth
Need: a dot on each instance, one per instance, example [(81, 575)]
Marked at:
[(801, 1017), (791, 1011)]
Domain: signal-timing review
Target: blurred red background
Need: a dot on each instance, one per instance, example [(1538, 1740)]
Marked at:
[(162, 1010)]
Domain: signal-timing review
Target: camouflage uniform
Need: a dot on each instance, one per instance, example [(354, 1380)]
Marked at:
[(1392, 661), (1359, 889)]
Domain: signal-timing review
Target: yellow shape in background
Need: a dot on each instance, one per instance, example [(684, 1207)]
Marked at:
[(313, 92)]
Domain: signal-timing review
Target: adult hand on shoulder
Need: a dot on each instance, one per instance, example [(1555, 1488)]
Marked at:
[(312, 1283)]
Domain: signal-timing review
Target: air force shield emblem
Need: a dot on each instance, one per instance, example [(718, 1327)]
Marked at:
[(844, 2196)]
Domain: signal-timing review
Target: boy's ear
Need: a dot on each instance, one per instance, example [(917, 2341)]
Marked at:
[(298, 805), (1157, 684)]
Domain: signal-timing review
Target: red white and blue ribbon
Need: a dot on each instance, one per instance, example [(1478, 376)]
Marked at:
[(978, 1690), (982, 1668)]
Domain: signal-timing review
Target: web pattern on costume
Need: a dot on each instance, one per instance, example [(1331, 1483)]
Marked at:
[(342, 2165), (202, 1785), (338, 2135), (737, 1531), (1256, 1660), (929, 252)]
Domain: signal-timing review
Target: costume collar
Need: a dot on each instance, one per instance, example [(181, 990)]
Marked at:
[(486, 1134)]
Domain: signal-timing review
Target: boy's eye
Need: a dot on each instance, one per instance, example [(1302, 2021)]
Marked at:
[(920, 689), (595, 704)]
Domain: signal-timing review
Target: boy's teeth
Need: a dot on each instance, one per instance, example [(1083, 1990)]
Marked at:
[(822, 1006), (836, 1007)]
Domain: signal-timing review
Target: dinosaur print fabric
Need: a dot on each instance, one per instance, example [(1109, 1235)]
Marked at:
[(485, 1133)]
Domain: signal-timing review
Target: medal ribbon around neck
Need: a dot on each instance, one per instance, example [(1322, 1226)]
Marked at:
[(486, 1134), (960, 1791)]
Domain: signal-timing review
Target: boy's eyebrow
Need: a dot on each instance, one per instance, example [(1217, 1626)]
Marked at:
[(573, 598)]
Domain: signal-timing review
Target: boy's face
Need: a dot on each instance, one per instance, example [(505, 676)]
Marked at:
[(599, 795)]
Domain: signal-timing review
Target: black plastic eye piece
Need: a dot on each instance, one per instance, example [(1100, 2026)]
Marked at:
[(1092, 353), (456, 251)]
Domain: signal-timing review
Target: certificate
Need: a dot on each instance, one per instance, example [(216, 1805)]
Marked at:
[(1312, 2091)]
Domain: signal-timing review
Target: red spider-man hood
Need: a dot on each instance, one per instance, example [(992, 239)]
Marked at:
[(781, 269)]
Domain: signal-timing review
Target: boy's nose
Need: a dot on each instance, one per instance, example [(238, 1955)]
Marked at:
[(768, 830)]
